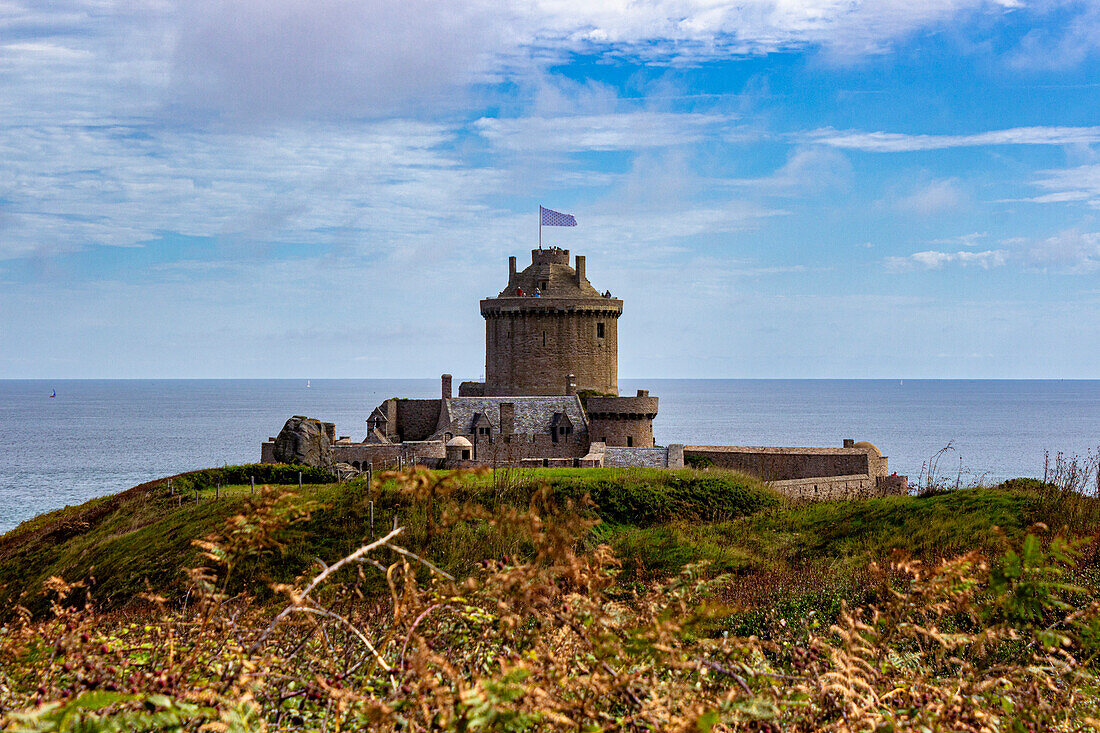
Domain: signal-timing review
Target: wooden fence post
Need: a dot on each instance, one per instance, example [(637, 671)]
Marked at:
[(252, 481), (372, 517), (299, 479)]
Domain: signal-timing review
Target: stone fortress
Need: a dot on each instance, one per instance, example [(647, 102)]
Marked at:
[(551, 398)]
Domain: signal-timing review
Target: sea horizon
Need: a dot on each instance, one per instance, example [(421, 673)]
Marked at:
[(100, 436)]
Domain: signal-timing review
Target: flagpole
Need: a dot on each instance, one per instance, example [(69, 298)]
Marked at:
[(540, 226)]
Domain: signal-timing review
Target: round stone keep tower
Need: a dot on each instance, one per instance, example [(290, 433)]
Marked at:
[(534, 344)]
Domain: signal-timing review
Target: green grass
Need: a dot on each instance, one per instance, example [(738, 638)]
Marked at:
[(657, 521)]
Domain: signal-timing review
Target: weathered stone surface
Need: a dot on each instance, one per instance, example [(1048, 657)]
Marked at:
[(305, 441)]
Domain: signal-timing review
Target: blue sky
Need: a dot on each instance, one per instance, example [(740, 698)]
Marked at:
[(280, 188)]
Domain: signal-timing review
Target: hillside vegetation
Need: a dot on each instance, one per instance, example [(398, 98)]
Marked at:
[(550, 600), (656, 521)]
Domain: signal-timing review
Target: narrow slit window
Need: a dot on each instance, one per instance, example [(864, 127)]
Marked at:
[(599, 330)]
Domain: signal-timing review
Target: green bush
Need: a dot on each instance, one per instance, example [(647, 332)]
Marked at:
[(649, 499), (263, 473), (698, 462)]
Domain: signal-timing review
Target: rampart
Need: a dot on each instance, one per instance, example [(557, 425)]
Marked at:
[(840, 488), (858, 470), (781, 464)]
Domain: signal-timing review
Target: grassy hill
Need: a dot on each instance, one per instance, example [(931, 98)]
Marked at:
[(656, 522), (786, 627)]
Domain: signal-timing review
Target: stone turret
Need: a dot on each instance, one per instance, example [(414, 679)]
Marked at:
[(623, 421), (533, 344)]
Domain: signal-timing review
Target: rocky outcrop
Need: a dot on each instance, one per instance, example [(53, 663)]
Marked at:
[(307, 442)]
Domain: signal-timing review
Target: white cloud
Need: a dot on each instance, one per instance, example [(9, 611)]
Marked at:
[(622, 131), (963, 240), (332, 58), (893, 142), (1061, 44), (936, 260), (704, 27), (70, 186), (807, 170), (1072, 251), (934, 198), (1081, 183)]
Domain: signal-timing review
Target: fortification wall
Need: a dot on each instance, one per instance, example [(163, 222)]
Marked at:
[(784, 464), (622, 421), (533, 344), (842, 488), (652, 457), (512, 450), (471, 389), (386, 455)]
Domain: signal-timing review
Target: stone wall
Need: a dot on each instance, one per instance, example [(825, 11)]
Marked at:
[(622, 421), (417, 418), (512, 450), (471, 389), (780, 464), (387, 455), (651, 457), (533, 344), (841, 488)]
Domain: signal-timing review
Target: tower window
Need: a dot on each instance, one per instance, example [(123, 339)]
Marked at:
[(629, 441), (599, 330), (544, 338)]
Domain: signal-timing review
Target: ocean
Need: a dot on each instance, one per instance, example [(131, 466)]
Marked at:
[(98, 437)]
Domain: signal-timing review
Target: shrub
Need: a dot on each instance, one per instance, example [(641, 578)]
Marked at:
[(262, 473), (698, 462), (549, 642)]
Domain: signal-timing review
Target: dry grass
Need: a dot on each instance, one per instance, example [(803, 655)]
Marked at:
[(551, 641)]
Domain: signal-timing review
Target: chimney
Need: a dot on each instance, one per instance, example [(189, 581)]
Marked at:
[(580, 269), (570, 384), (511, 269), (849, 443), (446, 386), (507, 418), (643, 393)]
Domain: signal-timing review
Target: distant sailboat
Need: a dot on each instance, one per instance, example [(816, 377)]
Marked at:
[(54, 393), (308, 385)]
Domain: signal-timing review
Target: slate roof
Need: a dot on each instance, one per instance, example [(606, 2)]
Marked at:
[(533, 414)]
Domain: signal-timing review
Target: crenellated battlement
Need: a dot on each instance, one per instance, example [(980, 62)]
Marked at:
[(551, 256)]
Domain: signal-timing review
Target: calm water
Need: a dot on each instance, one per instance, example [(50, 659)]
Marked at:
[(98, 437)]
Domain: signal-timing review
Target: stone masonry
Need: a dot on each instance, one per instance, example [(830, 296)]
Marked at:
[(547, 323)]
